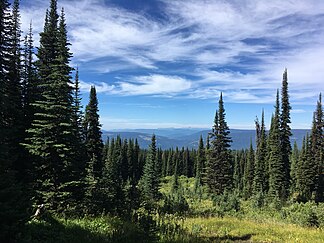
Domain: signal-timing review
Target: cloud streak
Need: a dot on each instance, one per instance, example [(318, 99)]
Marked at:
[(238, 47)]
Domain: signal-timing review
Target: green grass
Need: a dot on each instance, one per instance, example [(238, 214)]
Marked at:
[(173, 229), (101, 229), (230, 229), (199, 224)]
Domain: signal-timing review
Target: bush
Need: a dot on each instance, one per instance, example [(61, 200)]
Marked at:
[(227, 202), (175, 203), (304, 214)]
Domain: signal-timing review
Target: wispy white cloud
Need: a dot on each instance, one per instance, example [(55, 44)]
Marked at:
[(239, 47), (101, 87), (144, 85)]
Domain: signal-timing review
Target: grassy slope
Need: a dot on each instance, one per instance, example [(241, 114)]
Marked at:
[(232, 229), (227, 229), (255, 226)]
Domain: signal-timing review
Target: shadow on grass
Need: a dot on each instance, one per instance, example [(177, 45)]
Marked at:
[(233, 238), (51, 230)]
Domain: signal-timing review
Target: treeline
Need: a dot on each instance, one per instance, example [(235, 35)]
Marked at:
[(52, 153)]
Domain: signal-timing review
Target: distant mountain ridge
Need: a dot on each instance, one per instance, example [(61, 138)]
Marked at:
[(189, 137)]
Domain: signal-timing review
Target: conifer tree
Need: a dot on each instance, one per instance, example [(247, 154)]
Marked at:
[(249, 173), (29, 80), (285, 131), (137, 164), (150, 181), (12, 201), (237, 173), (260, 171), (111, 184), (175, 181), (130, 160), (93, 141), (306, 172), (169, 163), (200, 163), (277, 187), (77, 108), (219, 171), (13, 88), (317, 149), (293, 167), (50, 138)]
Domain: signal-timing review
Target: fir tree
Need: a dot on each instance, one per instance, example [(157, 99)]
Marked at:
[(150, 181), (12, 201), (200, 163), (175, 181), (260, 171), (93, 141), (277, 187), (137, 165), (237, 173), (50, 138), (219, 171), (111, 183), (317, 149), (293, 167), (29, 80), (249, 173), (306, 172), (285, 131)]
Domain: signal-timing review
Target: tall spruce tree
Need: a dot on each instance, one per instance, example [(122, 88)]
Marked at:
[(150, 180), (285, 131), (50, 138), (219, 171), (111, 183), (12, 201), (277, 186), (317, 149), (200, 163), (13, 88), (93, 141), (260, 170), (29, 79), (294, 158), (306, 172), (249, 172)]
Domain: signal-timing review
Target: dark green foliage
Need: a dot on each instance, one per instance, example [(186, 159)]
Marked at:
[(239, 169), (317, 149), (149, 182), (111, 182), (93, 141), (285, 130), (219, 169), (29, 79), (306, 173), (175, 203), (260, 182), (227, 202), (12, 199), (200, 163), (175, 181), (277, 187), (51, 138), (249, 173), (294, 158)]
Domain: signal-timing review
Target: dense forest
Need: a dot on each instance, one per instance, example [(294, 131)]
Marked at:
[(54, 164)]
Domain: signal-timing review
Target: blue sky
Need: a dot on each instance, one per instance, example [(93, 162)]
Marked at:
[(163, 63)]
